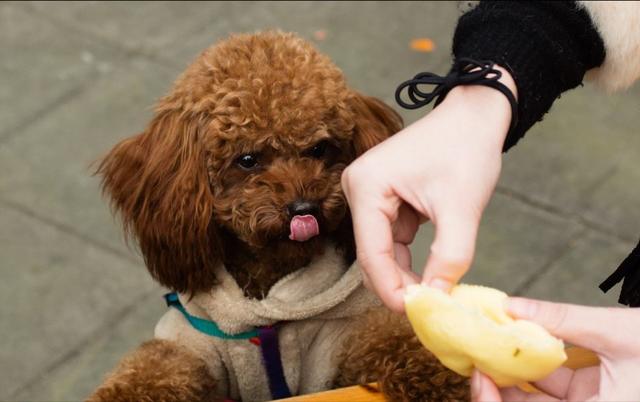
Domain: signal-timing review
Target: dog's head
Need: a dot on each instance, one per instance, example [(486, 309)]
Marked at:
[(250, 143)]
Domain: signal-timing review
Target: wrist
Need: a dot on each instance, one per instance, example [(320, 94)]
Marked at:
[(486, 105)]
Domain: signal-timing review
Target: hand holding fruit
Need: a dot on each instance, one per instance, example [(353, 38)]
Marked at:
[(612, 333), (469, 329)]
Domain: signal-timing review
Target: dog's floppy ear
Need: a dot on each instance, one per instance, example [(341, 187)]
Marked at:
[(375, 122), (158, 183)]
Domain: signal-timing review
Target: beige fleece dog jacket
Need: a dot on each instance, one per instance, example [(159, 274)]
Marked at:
[(317, 302)]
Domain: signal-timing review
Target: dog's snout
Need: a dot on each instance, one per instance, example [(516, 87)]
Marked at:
[(303, 207)]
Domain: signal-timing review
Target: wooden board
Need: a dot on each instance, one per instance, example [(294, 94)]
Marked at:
[(348, 394), (580, 358)]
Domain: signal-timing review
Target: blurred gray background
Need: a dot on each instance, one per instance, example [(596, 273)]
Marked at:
[(78, 77)]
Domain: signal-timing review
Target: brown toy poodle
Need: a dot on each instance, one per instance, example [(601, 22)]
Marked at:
[(233, 194)]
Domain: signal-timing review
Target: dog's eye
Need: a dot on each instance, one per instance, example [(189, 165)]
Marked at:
[(318, 150), (247, 161)]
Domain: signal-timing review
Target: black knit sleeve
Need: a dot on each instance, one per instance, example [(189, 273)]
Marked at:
[(546, 45)]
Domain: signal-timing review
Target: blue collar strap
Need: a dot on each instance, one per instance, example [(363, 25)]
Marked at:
[(267, 340), (205, 326)]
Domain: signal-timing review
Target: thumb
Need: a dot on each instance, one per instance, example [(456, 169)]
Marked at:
[(452, 250), (589, 327)]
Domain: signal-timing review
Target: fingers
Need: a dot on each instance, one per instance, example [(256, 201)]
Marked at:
[(557, 383), (376, 257), (585, 384), (402, 256), (514, 394), (593, 328), (404, 231), (452, 250), (406, 225), (578, 385), (483, 389), (374, 240), (386, 264)]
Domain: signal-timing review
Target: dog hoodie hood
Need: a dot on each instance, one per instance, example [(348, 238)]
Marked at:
[(317, 304)]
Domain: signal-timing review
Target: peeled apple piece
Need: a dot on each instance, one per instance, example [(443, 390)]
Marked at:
[(469, 328)]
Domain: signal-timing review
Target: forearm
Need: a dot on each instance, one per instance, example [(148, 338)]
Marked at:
[(478, 103), (547, 47)]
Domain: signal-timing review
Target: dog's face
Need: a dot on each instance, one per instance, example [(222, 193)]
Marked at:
[(276, 146), (250, 143), (271, 187)]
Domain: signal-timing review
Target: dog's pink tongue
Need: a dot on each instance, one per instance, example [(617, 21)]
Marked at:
[(303, 227)]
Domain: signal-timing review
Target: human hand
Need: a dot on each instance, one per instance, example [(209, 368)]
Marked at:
[(612, 333), (442, 168)]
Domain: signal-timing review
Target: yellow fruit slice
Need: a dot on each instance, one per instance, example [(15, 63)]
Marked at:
[(469, 328)]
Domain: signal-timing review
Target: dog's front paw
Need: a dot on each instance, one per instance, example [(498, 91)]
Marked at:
[(383, 348), (158, 371), (416, 375)]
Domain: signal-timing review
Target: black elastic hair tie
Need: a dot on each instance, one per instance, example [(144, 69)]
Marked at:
[(461, 74)]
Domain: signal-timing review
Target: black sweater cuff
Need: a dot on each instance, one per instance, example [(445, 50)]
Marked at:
[(547, 47)]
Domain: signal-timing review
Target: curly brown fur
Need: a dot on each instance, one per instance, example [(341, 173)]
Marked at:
[(158, 371), (383, 348), (185, 197), (178, 186)]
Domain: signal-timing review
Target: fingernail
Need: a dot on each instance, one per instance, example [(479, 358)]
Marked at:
[(439, 283), (476, 385), (519, 307)]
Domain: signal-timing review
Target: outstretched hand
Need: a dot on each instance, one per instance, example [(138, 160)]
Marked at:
[(443, 169)]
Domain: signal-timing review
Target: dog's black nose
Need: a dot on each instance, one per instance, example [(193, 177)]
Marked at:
[(302, 207)]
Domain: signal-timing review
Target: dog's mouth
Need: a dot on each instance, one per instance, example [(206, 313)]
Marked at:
[(303, 228)]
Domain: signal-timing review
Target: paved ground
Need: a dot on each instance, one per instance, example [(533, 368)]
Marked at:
[(78, 77)]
